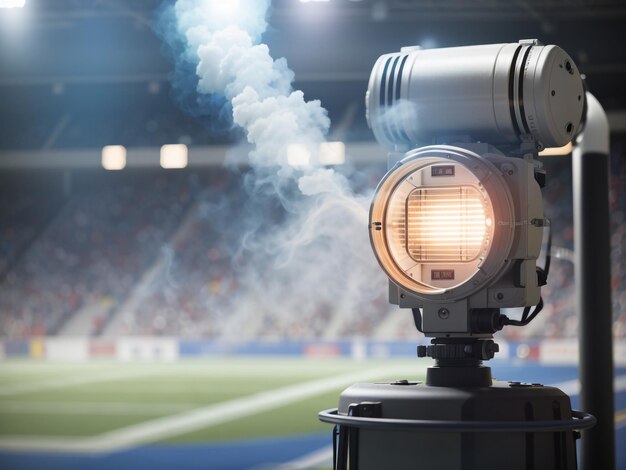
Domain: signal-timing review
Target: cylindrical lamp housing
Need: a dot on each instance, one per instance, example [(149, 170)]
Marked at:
[(500, 93)]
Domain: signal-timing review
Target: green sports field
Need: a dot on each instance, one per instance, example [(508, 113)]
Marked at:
[(105, 407), (225, 413)]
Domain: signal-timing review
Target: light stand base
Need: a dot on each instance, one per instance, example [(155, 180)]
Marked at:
[(409, 425)]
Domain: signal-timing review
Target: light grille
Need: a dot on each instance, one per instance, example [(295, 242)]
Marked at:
[(445, 224)]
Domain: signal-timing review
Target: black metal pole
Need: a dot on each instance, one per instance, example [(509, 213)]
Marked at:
[(593, 299)]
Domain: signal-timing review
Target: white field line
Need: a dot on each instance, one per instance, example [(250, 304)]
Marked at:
[(63, 382), (92, 408), (155, 390), (322, 458), (193, 420)]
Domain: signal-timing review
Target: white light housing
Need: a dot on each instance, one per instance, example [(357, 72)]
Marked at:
[(496, 93), (114, 157), (332, 153), (298, 155), (174, 156)]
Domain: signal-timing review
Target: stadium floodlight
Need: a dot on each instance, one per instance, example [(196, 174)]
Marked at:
[(458, 228), (174, 156), (298, 155), (332, 153), (443, 226), (113, 157), (457, 225)]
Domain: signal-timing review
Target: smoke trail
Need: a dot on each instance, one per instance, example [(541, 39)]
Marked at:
[(316, 261), (221, 38)]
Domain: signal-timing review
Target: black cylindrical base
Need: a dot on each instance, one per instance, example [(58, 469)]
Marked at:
[(446, 442)]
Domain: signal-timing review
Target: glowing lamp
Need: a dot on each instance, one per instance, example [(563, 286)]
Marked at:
[(174, 156), (444, 225), (113, 157)]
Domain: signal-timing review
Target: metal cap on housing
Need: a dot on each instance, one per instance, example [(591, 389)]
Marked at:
[(500, 93)]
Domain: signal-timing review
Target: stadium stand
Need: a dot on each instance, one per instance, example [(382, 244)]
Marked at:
[(93, 251), (139, 253)]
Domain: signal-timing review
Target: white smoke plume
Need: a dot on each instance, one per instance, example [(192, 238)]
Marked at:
[(314, 265), (222, 38)]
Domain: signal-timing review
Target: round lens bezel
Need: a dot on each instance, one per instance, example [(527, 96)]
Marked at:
[(503, 210)]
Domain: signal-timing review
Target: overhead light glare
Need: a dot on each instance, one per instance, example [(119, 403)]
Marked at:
[(174, 156), (12, 3), (113, 157), (332, 153), (225, 8), (298, 155)]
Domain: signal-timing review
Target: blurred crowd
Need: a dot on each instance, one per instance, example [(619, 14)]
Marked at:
[(95, 249), (23, 214), (191, 280), (151, 251)]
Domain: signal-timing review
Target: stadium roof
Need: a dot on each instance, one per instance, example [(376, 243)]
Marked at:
[(87, 73)]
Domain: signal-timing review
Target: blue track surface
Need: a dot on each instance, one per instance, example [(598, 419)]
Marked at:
[(262, 453), (249, 454)]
